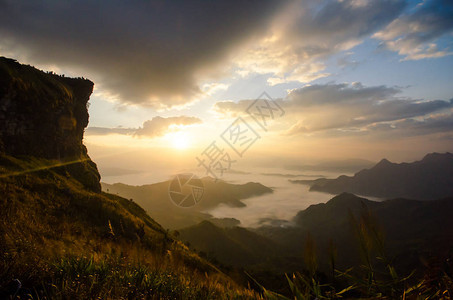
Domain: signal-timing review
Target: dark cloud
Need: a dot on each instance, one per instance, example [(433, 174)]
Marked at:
[(343, 106), (345, 20), (439, 123), (346, 107), (146, 52), (157, 126), (337, 94), (309, 31), (414, 34), (157, 52)]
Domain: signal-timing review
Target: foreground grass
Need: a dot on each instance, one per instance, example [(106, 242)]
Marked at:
[(86, 278), (60, 241), (376, 278)]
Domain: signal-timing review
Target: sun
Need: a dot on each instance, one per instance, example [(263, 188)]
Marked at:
[(180, 141)]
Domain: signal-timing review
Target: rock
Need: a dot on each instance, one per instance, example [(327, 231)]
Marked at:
[(44, 115)]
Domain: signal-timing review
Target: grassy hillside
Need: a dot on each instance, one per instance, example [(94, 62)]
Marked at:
[(63, 241), (233, 246)]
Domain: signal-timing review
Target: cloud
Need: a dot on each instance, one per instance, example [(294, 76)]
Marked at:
[(158, 53), (142, 52), (212, 88), (415, 35), (307, 32), (345, 61), (167, 53), (106, 130), (350, 108), (157, 126), (230, 108), (437, 123)]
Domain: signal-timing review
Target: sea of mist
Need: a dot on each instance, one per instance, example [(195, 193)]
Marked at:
[(277, 208)]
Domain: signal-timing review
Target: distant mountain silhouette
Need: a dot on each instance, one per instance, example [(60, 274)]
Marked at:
[(154, 198), (430, 178), (347, 165)]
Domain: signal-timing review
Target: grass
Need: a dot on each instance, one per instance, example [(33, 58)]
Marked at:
[(119, 278), (62, 241), (376, 278)]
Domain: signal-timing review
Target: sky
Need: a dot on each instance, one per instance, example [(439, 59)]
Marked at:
[(176, 79)]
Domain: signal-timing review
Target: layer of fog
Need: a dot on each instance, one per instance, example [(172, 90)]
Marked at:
[(278, 207)]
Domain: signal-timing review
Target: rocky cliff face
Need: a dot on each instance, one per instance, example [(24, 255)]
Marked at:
[(44, 115)]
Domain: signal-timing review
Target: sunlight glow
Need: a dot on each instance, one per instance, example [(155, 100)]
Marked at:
[(179, 140)]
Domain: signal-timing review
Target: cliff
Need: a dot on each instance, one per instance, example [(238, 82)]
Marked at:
[(44, 115)]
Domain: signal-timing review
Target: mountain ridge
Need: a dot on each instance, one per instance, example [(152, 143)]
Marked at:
[(426, 179)]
